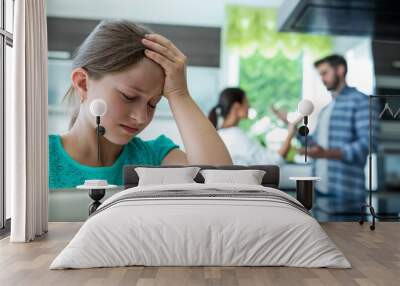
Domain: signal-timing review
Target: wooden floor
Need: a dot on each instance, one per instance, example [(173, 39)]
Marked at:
[(374, 255)]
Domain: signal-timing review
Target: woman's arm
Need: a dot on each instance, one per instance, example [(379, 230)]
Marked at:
[(288, 140), (202, 142)]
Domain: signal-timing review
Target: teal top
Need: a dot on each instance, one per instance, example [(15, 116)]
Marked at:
[(65, 172)]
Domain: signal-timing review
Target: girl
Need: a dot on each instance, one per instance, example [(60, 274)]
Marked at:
[(232, 107), (130, 69)]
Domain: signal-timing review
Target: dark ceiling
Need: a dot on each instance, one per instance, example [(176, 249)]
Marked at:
[(377, 18)]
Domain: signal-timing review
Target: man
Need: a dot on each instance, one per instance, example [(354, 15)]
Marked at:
[(340, 142)]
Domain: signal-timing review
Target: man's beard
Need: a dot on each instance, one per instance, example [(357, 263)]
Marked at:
[(334, 85)]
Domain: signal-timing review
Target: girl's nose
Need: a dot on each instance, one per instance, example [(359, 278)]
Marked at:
[(140, 115)]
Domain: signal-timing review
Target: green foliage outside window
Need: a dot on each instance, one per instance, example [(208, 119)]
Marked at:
[(250, 28), (276, 81)]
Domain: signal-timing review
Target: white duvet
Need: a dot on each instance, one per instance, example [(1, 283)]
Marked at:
[(188, 231)]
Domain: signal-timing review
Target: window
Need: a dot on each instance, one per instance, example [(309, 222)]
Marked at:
[(6, 44), (271, 81), (274, 81)]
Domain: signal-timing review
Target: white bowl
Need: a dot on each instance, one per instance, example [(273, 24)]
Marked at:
[(96, 183)]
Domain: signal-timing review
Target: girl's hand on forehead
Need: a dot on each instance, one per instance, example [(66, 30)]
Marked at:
[(172, 60)]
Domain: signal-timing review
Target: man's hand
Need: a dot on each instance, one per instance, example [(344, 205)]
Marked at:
[(315, 151)]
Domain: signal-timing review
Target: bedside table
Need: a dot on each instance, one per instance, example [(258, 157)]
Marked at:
[(305, 190), (96, 194)]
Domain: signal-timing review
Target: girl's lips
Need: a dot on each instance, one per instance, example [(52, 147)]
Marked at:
[(129, 129)]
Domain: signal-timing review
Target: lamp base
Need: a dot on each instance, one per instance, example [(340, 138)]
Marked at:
[(96, 195), (374, 216)]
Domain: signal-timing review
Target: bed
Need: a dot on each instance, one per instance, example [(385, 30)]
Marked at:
[(201, 224)]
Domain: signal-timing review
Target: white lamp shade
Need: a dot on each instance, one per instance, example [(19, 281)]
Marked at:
[(305, 107), (98, 107)]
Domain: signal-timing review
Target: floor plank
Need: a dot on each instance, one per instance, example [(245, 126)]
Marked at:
[(374, 255)]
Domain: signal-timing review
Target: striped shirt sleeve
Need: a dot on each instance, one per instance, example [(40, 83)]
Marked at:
[(357, 150)]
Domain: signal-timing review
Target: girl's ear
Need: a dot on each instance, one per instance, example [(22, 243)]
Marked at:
[(80, 78)]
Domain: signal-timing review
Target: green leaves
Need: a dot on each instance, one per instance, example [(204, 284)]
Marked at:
[(275, 81)]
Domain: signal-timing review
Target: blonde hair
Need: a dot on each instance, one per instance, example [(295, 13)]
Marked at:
[(112, 46)]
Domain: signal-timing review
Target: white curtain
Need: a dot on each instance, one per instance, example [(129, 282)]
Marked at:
[(26, 117)]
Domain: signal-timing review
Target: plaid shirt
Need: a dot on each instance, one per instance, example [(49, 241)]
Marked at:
[(349, 132)]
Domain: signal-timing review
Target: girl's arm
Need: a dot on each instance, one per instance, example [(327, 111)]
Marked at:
[(202, 143)]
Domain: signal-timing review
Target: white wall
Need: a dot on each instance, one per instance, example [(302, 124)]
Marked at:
[(358, 53), (314, 90)]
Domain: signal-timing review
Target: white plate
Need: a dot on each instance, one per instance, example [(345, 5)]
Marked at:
[(305, 178), (96, 187)]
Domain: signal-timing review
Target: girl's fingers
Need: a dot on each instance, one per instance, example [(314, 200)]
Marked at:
[(158, 58), (160, 49), (164, 42), (164, 53)]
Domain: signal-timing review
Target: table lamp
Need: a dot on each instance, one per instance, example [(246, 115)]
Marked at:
[(98, 108), (305, 108)]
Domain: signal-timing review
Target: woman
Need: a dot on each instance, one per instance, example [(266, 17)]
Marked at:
[(130, 69), (232, 107)]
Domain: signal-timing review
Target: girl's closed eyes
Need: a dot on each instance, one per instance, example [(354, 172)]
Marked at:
[(153, 103), (128, 97), (131, 98)]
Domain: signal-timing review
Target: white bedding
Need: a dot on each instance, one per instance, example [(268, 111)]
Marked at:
[(190, 230)]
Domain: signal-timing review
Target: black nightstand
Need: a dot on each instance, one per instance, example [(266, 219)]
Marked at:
[(305, 190)]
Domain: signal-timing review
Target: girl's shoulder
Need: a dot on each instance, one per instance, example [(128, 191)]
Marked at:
[(158, 142), (53, 137), (153, 150), (53, 141)]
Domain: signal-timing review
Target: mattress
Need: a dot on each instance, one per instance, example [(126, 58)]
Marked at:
[(200, 225)]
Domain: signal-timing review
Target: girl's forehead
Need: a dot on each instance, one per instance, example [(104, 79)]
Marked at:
[(144, 77)]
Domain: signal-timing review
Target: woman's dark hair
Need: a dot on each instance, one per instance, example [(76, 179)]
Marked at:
[(227, 98), (113, 46)]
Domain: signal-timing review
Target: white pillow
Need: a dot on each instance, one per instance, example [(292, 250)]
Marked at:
[(248, 177), (161, 176)]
